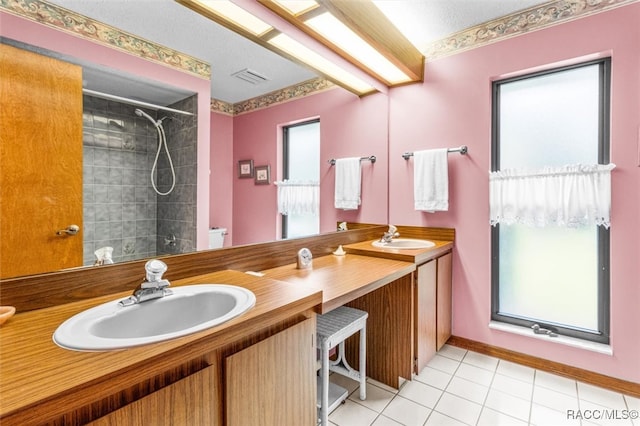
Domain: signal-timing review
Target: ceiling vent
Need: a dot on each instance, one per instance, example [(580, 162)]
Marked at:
[(250, 76)]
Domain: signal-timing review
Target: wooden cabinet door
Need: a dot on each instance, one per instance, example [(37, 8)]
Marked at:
[(192, 401), (425, 315), (40, 162), (390, 332), (444, 300), (273, 383)]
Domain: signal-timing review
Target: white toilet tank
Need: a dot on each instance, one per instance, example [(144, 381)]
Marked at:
[(216, 237)]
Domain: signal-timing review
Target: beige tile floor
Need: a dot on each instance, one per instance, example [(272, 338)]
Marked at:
[(460, 387)]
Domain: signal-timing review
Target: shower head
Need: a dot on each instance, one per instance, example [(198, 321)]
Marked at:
[(141, 113)]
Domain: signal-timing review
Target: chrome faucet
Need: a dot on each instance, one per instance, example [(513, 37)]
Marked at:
[(391, 233), (153, 287)]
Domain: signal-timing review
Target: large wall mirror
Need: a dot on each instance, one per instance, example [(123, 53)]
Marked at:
[(121, 163)]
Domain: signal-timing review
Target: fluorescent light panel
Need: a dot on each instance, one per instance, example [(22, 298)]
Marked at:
[(297, 6), (306, 55), (346, 39), (237, 15), (244, 21)]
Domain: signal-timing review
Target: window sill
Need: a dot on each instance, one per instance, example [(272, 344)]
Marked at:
[(563, 340)]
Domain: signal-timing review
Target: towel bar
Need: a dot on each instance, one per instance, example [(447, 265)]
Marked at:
[(371, 158), (462, 150)]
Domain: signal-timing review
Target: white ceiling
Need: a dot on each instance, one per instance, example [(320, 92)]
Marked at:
[(173, 25)]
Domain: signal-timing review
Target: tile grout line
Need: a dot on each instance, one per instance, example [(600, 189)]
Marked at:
[(460, 362), (578, 398), (445, 388), (389, 403), (533, 390), (378, 414), (486, 397)]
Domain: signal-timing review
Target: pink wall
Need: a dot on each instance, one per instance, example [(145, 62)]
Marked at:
[(39, 35), (349, 127), (222, 175), (453, 107)]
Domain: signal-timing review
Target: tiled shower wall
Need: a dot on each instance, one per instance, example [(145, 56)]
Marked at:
[(177, 211), (121, 210)]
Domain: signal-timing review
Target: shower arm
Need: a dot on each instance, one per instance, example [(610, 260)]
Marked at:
[(141, 113)]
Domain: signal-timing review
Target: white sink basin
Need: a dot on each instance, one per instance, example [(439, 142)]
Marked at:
[(404, 243), (189, 309)]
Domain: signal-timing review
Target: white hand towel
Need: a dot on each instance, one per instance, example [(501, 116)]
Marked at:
[(431, 180), (348, 176)]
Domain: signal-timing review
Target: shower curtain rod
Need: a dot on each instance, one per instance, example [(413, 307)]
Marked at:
[(133, 102)]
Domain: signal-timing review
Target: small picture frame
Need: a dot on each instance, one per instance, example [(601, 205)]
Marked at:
[(263, 175), (245, 168)]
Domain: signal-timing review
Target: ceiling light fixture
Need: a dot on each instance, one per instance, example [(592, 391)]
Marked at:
[(236, 15), (343, 37), (319, 35), (308, 56), (296, 7), (359, 32)]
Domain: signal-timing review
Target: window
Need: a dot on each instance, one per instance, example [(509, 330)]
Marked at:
[(556, 277), (301, 163)]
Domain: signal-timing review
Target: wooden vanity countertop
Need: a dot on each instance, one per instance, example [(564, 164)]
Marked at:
[(417, 256), (343, 278), (38, 379)]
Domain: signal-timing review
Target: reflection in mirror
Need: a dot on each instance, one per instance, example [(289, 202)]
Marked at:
[(40, 163), (119, 149), (127, 153), (299, 196), (124, 156)]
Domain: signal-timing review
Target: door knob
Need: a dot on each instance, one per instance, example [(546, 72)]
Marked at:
[(71, 230)]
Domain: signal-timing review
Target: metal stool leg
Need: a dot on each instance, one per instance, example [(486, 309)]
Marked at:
[(363, 363), (324, 372)]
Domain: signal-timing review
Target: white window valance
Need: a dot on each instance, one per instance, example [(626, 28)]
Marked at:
[(298, 197), (567, 196)]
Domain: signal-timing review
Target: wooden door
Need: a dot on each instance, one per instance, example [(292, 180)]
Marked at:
[(40, 163)]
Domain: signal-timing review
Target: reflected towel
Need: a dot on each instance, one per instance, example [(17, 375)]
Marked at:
[(431, 180), (348, 176)]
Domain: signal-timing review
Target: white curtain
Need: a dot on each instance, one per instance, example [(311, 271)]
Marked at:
[(298, 197), (568, 196)]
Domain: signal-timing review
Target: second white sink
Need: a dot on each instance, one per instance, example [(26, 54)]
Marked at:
[(189, 309), (404, 243)]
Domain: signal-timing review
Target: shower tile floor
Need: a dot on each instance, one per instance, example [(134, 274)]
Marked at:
[(460, 387)]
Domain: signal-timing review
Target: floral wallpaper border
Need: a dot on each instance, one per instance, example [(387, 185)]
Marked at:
[(221, 107), (535, 18), (296, 91), (66, 20)]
